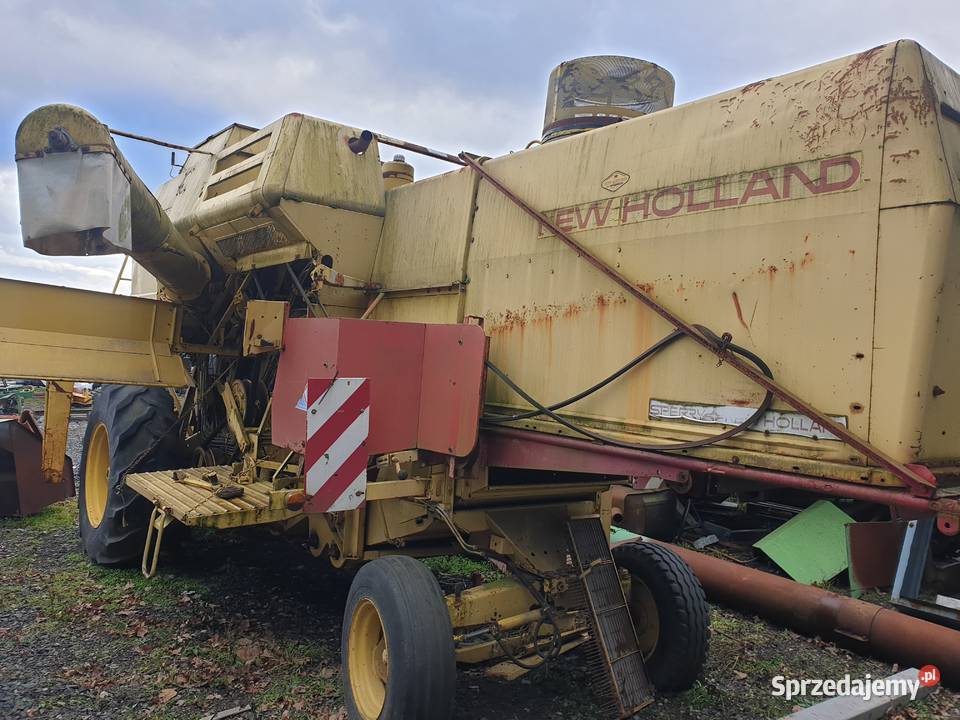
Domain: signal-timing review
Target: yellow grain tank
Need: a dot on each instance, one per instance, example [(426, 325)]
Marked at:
[(814, 216)]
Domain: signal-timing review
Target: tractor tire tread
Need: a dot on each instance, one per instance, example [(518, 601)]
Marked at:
[(422, 667), (137, 420), (676, 665)]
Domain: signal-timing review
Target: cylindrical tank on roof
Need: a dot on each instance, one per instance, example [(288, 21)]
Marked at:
[(591, 92), (397, 172)]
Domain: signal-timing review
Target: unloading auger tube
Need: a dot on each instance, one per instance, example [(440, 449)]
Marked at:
[(79, 196)]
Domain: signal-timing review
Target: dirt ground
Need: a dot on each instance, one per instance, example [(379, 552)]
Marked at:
[(246, 618)]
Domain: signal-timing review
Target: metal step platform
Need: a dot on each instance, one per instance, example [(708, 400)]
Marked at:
[(180, 495), (613, 630)]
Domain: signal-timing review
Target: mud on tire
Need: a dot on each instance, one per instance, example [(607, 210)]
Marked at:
[(133, 418)]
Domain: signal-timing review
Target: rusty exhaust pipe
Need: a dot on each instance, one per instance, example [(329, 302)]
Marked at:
[(863, 627)]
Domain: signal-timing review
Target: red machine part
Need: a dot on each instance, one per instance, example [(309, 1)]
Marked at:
[(948, 523), (507, 447), (426, 381), (22, 491)]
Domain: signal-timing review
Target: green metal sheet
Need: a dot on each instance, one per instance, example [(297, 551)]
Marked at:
[(618, 535), (812, 547)]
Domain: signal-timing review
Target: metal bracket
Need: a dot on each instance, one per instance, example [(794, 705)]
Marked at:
[(56, 418), (159, 519), (905, 594)]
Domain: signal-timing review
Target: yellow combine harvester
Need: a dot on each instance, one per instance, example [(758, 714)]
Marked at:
[(397, 369)]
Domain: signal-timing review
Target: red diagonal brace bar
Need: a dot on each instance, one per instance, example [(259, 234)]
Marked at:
[(901, 471)]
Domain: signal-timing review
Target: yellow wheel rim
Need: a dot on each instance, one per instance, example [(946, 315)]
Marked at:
[(96, 476), (646, 619), (368, 660)]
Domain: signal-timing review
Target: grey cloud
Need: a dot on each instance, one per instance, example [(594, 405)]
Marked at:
[(455, 75)]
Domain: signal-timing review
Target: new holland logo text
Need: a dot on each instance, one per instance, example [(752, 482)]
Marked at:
[(779, 184)]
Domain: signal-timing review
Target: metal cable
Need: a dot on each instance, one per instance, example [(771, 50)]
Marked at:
[(649, 352), (605, 439)]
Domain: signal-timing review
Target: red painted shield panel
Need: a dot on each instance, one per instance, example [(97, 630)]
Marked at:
[(452, 388), (426, 381)]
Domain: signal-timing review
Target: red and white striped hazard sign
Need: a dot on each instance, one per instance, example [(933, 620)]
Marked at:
[(338, 423)]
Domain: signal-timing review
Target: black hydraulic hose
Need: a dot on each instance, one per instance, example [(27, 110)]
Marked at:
[(606, 440), (649, 352)]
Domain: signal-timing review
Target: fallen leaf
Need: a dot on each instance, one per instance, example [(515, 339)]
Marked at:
[(247, 651), (166, 695)]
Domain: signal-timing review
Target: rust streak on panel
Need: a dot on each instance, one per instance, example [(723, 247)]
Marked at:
[(736, 304)]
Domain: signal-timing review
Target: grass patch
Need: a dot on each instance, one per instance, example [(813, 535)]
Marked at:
[(299, 691), (80, 589), (460, 566), (166, 590), (57, 516)]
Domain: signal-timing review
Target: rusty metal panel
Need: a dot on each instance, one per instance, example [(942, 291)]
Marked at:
[(873, 549), (416, 402), (730, 216), (915, 400), (915, 167), (754, 212), (22, 489)]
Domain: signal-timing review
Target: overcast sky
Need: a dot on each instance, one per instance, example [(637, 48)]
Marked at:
[(454, 75)]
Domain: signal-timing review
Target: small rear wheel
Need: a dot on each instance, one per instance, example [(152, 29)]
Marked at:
[(670, 614), (124, 423), (397, 644)]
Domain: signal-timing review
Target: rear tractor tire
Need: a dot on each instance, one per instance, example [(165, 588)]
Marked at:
[(397, 654), (670, 614), (124, 422)]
